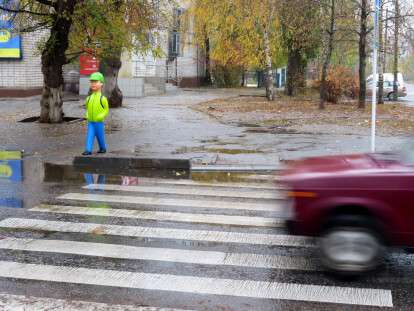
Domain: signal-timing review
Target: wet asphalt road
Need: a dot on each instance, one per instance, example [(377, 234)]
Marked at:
[(129, 243)]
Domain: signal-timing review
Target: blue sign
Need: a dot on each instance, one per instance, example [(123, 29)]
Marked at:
[(10, 43)]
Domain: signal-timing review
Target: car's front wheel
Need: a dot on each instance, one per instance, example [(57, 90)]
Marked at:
[(351, 245)]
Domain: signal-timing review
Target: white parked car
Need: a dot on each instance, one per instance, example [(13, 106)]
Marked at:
[(389, 85)]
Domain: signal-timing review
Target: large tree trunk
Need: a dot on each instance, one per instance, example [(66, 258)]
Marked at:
[(53, 59), (295, 72), (381, 62), (110, 67), (396, 49), (270, 90), (363, 32), (327, 61)]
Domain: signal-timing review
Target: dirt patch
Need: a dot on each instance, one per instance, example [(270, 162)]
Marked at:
[(300, 115)]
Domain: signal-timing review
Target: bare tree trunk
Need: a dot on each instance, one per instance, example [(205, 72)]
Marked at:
[(381, 60), (110, 67), (53, 58), (386, 41), (295, 72), (207, 79), (396, 49), (363, 32), (270, 91), (327, 61)]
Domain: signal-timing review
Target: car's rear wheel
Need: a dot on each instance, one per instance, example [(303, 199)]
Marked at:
[(390, 96), (351, 245)]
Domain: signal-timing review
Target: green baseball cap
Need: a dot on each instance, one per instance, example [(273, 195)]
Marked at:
[(97, 76)]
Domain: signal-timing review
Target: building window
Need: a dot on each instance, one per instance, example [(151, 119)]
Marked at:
[(174, 42)]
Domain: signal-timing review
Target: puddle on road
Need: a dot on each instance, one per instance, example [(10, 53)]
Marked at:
[(68, 173), (71, 174), (27, 182)]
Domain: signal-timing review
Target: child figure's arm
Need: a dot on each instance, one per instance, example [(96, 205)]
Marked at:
[(86, 104)]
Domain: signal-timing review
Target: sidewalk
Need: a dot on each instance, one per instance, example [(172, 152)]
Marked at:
[(166, 126)]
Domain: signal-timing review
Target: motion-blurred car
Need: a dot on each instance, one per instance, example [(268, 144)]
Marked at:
[(356, 204)]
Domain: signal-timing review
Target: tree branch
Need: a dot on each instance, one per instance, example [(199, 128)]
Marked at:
[(47, 2), (34, 28), (75, 56), (22, 11)]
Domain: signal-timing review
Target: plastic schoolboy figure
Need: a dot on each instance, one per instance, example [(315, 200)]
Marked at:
[(97, 110)]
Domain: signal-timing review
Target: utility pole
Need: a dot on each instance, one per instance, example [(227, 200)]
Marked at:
[(381, 61), (374, 75), (396, 50)]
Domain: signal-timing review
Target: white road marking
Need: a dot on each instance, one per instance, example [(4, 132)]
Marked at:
[(161, 233), (163, 216), (218, 204), (195, 183), (256, 194), (198, 285), (25, 303), (161, 254)]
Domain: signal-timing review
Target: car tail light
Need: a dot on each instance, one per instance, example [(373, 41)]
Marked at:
[(301, 194)]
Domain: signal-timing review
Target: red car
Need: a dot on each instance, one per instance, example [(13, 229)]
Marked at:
[(357, 205)]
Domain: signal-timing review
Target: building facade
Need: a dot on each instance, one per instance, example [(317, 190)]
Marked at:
[(23, 76)]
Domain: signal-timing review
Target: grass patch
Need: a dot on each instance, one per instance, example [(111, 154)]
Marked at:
[(296, 111)]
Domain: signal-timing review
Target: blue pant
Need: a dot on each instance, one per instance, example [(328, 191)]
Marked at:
[(95, 129)]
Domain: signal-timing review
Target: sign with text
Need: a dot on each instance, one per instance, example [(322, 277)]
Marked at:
[(88, 64), (10, 42)]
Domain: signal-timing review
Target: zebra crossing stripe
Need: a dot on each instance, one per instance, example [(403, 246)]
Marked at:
[(161, 233), (161, 254), (257, 194), (198, 285), (217, 204), (194, 183), (20, 302), (163, 216)]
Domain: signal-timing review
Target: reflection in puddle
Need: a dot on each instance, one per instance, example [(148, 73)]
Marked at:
[(121, 176), (11, 176), (90, 179)]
